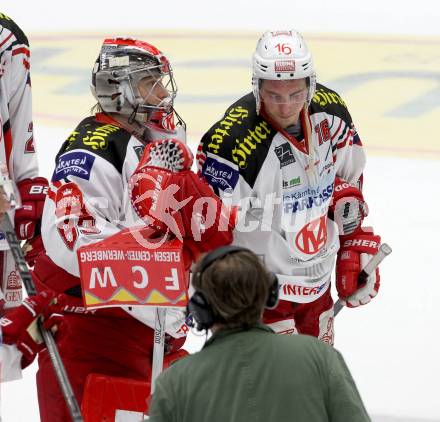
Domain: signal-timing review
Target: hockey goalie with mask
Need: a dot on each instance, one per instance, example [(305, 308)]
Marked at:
[(96, 191)]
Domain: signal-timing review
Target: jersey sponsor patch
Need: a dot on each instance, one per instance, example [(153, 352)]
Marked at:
[(74, 163), (307, 198), (284, 154), (220, 175), (13, 281)]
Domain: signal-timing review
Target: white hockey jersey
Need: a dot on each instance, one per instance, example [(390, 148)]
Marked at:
[(284, 186), (89, 196), (17, 149)]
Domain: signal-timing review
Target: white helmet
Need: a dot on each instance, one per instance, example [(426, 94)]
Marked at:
[(282, 55), (121, 64)]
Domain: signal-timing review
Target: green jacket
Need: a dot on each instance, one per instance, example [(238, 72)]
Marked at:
[(258, 376)]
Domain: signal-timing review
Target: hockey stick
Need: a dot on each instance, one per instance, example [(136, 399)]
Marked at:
[(158, 345), (60, 370), (370, 267)]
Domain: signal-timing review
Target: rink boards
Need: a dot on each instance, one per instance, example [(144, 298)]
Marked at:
[(391, 85)]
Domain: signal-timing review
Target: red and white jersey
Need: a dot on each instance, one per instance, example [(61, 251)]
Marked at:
[(17, 149), (89, 197), (284, 186)]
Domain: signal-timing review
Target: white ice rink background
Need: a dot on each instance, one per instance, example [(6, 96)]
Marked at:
[(391, 345)]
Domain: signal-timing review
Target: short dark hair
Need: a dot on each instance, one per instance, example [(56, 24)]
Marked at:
[(236, 286)]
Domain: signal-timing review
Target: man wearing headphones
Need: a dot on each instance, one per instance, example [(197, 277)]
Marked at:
[(245, 372)]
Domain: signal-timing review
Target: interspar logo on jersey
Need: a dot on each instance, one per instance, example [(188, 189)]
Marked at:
[(75, 163)]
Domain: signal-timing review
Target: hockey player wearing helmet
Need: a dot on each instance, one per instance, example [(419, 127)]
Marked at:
[(89, 200), (133, 82), (289, 155)]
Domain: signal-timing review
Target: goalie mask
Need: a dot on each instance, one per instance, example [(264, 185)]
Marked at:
[(282, 55), (133, 78)]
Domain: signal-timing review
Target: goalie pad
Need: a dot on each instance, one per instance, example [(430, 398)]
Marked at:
[(106, 396)]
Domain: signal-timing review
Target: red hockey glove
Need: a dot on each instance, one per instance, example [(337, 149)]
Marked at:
[(32, 250), (208, 223), (33, 193), (167, 195), (155, 181), (356, 250), (348, 207), (20, 327)]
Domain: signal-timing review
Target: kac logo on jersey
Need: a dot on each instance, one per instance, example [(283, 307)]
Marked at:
[(220, 175), (284, 154), (313, 236), (74, 163)]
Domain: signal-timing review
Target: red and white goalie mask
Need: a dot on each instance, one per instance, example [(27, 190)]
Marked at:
[(134, 79)]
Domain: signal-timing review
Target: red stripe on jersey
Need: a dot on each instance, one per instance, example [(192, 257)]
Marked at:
[(342, 144), (21, 50), (337, 130), (8, 144), (6, 39)]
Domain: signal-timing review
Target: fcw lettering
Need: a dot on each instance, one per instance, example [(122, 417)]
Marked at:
[(313, 236)]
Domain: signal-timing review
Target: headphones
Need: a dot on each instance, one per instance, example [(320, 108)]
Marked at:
[(199, 312)]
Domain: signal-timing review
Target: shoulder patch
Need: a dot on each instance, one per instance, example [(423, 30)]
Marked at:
[(220, 175), (74, 163)]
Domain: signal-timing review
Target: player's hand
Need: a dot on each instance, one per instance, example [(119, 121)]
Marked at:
[(348, 207), (155, 182), (355, 251), (207, 222), (32, 249), (33, 193), (20, 325)]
